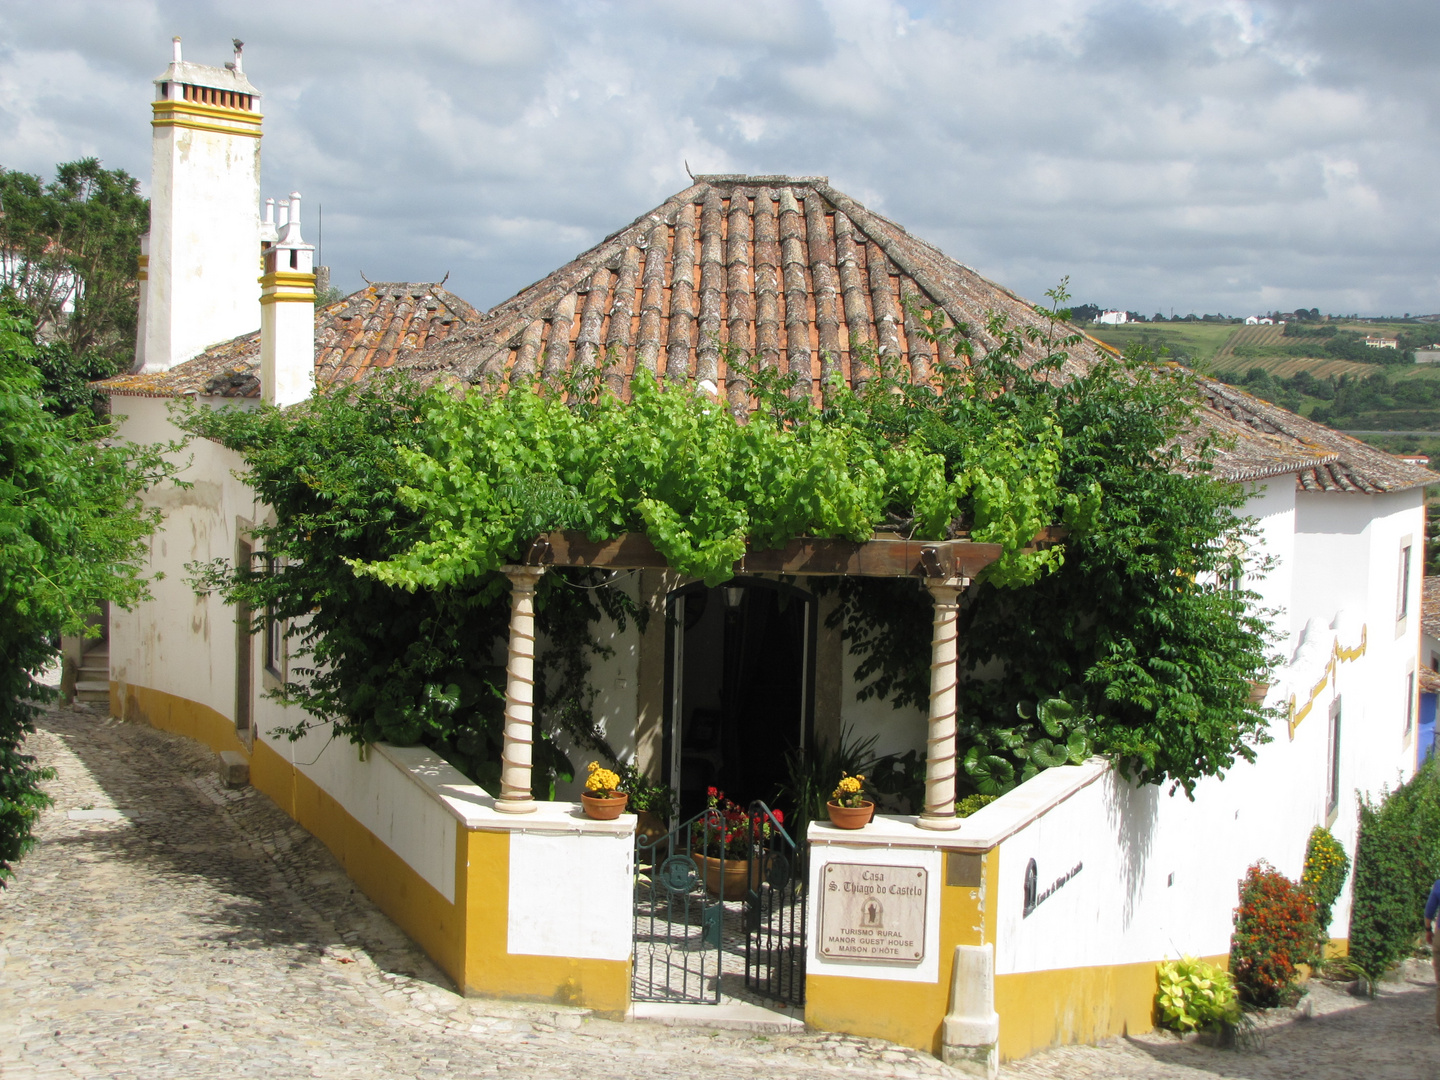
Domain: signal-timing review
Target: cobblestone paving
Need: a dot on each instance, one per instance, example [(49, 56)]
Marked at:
[(1345, 1038), (168, 927)]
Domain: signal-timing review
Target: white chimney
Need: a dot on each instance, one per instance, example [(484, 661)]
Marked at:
[(204, 212), (287, 314)]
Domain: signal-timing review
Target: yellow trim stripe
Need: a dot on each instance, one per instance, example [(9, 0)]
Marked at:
[(188, 125), (192, 108), (287, 298), (1337, 654), (287, 277)]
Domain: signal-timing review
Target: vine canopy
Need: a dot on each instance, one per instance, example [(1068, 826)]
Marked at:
[(494, 470)]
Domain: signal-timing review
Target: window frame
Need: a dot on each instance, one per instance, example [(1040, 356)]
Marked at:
[(1332, 762), (1402, 599), (272, 649)]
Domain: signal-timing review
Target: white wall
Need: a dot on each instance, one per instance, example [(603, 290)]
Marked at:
[(1160, 873), (178, 642), (896, 730)]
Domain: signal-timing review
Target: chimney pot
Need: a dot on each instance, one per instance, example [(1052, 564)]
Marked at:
[(175, 48)]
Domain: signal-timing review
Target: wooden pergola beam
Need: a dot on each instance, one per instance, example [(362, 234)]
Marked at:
[(928, 559)]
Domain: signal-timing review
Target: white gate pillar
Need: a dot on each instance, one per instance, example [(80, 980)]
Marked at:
[(515, 757), (939, 812)]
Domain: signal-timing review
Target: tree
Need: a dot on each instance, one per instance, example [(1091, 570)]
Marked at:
[(72, 532), (70, 252), (1144, 623)]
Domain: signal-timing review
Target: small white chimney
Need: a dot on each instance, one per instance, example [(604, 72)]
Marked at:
[(287, 313)]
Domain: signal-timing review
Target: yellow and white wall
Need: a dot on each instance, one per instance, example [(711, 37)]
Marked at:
[(537, 907)]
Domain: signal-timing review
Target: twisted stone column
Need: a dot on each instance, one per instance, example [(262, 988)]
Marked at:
[(939, 810), (515, 759)]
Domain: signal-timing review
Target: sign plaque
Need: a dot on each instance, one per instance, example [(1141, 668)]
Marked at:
[(873, 913)]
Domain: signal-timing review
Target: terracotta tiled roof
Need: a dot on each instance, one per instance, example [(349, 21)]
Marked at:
[(1270, 441), (1429, 681), (784, 268), (1430, 606), (792, 271), (367, 331)]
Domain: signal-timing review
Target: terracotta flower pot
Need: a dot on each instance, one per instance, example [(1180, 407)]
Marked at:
[(729, 883), (648, 826), (604, 809), (850, 817)]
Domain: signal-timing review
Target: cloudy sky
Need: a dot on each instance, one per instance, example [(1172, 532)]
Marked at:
[(1203, 156)]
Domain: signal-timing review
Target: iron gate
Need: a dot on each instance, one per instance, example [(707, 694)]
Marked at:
[(687, 944), (678, 925), (775, 911)]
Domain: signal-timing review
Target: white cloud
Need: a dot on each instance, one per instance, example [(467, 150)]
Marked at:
[(1222, 155)]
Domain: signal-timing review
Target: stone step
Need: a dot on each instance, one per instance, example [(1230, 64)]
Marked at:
[(92, 690)]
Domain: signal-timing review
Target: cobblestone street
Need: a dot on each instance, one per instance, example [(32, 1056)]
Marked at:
[(168, 927)]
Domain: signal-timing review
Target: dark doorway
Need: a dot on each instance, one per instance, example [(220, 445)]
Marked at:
[(741, 674)]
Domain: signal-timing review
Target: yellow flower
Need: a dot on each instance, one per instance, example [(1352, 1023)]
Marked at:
[(601, 779)]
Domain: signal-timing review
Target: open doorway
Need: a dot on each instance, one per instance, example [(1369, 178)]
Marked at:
[(740, 677)]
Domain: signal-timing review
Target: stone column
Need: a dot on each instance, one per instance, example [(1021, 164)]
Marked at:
[(971, 1039), (515, 760), (939, 810)]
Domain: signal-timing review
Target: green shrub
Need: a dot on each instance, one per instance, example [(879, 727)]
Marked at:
[(970, 803), (1274, 931), (1193, 995), (1396, 862), (1326, 866)]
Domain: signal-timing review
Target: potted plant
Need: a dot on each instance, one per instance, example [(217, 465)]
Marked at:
[(848, 806), (602, 798), (721, 842)]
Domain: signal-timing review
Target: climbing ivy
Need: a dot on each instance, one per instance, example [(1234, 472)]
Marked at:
[(395, 508), (1144, 625)]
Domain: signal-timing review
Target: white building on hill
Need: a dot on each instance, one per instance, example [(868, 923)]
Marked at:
[(1038, 920)]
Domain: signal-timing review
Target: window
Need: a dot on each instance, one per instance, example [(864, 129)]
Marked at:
[(244, 651), (1409, 702), (274, 649), (1332, 777), (1402, 604)]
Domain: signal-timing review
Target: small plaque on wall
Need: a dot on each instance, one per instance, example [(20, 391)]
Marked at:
[(873, 913)]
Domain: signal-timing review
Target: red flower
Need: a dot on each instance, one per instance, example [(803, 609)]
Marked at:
[(779, 816), (712, 791)]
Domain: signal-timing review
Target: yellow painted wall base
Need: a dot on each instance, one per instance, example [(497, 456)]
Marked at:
[(177, 715), (467, 939), (492, 971), (909, 1013)]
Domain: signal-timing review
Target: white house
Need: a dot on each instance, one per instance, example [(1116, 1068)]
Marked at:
[(1038, 919), (1113, 318)]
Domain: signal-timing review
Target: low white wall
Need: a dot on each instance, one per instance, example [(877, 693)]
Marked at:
[(1137, 874), (572, 892)]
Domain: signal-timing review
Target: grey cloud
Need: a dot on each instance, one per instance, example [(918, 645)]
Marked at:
[(1214, 156)]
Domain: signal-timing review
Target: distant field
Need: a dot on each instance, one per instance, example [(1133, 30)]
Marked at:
[(1210, 347), (1286, 366), (1196, 342), (1256, 337)]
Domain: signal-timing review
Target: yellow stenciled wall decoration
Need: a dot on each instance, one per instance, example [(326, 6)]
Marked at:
[(1337, 654)]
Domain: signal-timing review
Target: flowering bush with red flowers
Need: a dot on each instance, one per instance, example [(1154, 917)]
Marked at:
[(726, 829), (1274, 931)]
